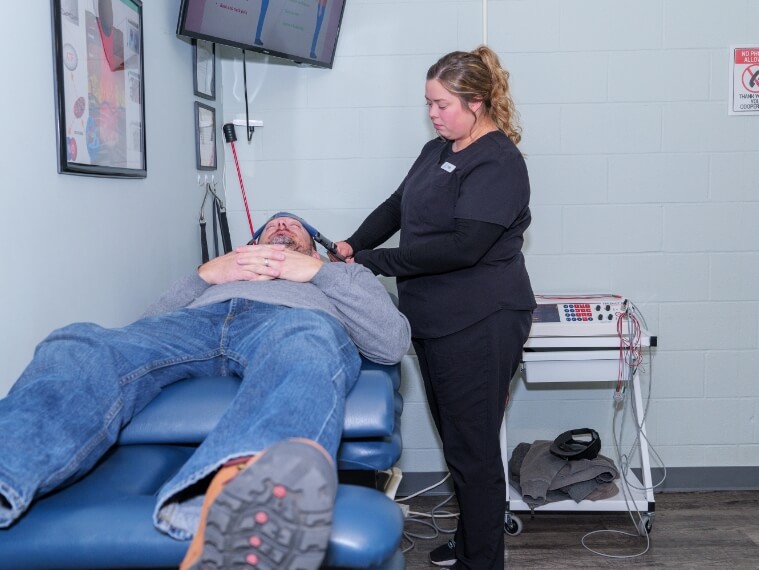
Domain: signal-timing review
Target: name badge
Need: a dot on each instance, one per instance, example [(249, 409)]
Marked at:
[(448, 167)]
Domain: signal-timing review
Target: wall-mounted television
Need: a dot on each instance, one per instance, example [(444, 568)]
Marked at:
[(303, 31)]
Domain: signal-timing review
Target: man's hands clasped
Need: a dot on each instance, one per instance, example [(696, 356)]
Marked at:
[(260, 263)]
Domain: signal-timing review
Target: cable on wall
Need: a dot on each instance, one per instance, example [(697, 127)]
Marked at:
[(245, 85), (484, 22)]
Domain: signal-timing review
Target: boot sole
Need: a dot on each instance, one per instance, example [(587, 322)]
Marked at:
[(277, 513)]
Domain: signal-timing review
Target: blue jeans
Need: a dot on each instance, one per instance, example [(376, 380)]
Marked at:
[(86, 382)]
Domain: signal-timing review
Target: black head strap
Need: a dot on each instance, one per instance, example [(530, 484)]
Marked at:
[(567, 447)]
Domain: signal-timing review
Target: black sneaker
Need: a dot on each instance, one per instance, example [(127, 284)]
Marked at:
[(445, 554)]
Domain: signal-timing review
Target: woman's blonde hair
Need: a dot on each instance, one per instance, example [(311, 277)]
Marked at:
[(478, 76)]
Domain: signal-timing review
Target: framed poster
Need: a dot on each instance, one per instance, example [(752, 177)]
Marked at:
[(205, 136), (100, 93), (204, 64)]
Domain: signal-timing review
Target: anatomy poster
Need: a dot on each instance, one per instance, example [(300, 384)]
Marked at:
[(100, 84)]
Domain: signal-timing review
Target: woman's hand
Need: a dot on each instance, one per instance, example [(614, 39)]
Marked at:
[(344, 249)]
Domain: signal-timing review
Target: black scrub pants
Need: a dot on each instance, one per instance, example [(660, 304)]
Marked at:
[(466, 377)]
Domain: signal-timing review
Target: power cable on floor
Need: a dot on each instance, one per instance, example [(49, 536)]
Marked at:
[(433, 516)]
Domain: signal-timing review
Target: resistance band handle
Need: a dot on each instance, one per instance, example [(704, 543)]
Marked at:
[(215, 231), (203, 243), (226, 239)]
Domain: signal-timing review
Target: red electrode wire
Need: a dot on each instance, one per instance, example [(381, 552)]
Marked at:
[(629, 345)]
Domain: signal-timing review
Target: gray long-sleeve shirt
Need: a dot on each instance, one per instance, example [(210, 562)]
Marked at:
[(542, 477), (349, 292)]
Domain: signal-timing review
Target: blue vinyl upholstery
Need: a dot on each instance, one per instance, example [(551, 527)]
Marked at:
[(104, 521)]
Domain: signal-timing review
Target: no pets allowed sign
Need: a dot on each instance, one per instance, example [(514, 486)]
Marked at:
[(744, 81)]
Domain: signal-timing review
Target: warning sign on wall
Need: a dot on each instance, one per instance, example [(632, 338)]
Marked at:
[(744, 80)]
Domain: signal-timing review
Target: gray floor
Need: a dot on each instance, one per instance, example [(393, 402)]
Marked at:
[(690, 530)]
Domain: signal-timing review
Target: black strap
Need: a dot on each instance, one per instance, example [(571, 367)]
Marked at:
[(226, 239), (215, 217), (203, 241), (567, 447), (220, 226)]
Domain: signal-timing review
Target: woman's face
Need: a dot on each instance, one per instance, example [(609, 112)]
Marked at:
[(451, 118)]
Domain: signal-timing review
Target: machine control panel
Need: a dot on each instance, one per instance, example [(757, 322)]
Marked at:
[(587, 312), (576, 316)]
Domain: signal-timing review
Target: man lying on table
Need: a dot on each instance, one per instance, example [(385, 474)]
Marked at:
[(275, 314)]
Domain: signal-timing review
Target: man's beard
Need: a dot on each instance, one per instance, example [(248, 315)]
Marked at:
[(290, 243)]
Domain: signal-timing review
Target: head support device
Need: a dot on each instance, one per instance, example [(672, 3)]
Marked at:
[(567, 447), (313, 232), (309, 228)]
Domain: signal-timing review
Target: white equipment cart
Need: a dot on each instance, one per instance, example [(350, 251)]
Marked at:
[(576, 340)]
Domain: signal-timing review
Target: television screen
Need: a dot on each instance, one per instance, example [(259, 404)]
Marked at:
[(304, 31)]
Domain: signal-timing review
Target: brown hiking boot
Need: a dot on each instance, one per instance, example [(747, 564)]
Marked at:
[(272, 511)]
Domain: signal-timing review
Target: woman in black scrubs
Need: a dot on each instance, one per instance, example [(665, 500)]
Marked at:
[(462, 211)]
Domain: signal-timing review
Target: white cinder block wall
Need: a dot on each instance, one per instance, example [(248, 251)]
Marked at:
[(84, 248), (642, 184)]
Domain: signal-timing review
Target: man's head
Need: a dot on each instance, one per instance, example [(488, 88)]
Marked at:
[(289, 230)]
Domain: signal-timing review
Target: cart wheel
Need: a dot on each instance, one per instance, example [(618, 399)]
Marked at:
[(645, 525), (512, 525)]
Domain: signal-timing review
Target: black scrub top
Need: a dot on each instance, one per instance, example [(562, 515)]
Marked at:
[(488, 182)]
